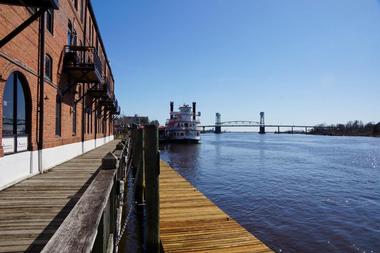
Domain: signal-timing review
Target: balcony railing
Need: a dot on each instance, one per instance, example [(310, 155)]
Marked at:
[(83, 64), (115, 108), (100, 90), (33, 3)]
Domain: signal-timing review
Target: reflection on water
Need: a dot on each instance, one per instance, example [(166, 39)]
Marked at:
[(297, 193), (188, 162)]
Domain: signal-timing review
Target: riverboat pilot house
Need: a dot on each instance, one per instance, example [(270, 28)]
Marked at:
[(56, 86)]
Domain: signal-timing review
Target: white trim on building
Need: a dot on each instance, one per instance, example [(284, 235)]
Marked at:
[(19, 166)]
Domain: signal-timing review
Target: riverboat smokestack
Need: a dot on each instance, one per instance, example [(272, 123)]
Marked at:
[(171, 109), (194, 110)]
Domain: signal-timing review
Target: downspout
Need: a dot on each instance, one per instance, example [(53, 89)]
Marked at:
[(84, 99), (41, 89)]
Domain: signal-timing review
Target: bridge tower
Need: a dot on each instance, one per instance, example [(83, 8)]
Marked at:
[(218, 123), (262, 123)]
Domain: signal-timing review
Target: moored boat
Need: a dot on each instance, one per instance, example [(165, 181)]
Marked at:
[(182, 126)]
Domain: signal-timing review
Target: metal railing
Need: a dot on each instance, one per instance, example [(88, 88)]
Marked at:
[(83, 57)]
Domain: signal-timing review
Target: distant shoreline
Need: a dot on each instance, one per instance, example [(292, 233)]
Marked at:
[(345, 135), (298, 133)]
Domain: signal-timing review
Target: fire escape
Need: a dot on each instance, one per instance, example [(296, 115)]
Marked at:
[(83, 65), (42, 5)]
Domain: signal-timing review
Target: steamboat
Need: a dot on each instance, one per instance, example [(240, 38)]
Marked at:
[(182, 126)]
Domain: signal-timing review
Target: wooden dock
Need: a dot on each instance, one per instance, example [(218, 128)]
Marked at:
[(32, 210), (189, 222)]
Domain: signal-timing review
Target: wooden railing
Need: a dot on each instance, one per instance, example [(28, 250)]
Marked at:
[(99, 221), (92, 225)]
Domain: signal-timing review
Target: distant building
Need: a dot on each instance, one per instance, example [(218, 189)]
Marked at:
[(54, 111), (123, 122)]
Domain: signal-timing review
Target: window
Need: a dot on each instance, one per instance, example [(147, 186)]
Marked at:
[(75, 38), (76, 4), (69, 33), (89, 28), (50, 20), (81, 10), (98, 118), (92, 36), (88, 120), (74, 115), (91, 121), (15, 115), (87, 104), (58, 115), (48, 67)]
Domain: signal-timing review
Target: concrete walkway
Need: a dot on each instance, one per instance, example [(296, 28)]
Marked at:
[(32, 210)]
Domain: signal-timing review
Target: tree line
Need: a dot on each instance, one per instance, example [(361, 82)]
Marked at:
[(351, 128)]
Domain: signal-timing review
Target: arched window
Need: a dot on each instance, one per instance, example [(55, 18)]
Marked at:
[(15, 115), (48, 67)]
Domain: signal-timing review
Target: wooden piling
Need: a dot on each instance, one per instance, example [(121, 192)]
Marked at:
[(140, 166), (152, 171)]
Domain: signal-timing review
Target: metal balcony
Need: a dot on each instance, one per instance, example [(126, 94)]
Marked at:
[(106, 102), (33, 3), (101, 90), (115, 108), (117, 111), (83, 64)]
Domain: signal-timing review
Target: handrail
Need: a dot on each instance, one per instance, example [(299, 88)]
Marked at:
[(95, 211), (78, 231), (83, 56), (100, 218)]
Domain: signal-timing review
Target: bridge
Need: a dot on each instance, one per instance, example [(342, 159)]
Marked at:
[(247, 123)]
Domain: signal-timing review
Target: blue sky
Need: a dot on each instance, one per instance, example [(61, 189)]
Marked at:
[(300, 61)]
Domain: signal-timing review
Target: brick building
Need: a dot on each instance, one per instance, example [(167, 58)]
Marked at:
[(63, 107)]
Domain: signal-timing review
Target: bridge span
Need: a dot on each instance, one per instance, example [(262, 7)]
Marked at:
[(247, 123)]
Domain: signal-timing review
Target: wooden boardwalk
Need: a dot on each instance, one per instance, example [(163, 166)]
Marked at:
[(189, 222), (32, 210)]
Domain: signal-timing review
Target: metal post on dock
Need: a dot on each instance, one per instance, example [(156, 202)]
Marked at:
[(152, 171)]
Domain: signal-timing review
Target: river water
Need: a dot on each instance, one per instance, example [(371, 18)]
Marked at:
[(297, 193)]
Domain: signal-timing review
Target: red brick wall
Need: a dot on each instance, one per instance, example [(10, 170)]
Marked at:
[(21, 54)]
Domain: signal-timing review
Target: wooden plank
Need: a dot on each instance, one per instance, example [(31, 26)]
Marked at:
[(189, 222), (32, 210)]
